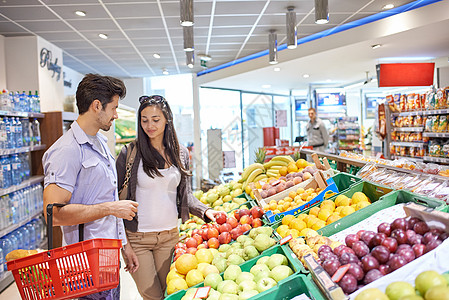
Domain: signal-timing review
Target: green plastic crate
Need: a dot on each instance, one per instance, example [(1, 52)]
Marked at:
[(296, 266), (390, 199), (344, 181)]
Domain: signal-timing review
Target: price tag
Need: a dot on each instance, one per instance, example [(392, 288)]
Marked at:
[(341, 271), (286, 239), (202, 292)]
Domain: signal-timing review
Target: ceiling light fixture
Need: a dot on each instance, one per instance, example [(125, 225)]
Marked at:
[(186, 12), (205, 57), (80, 13), (306, 75), (272, 47), (188, 38), (388, 6), (266, 86), (321, 11), (104, 36), (376, 46), (190, 59), (164, 71), (277, 69), (156, 55), (290, 21)]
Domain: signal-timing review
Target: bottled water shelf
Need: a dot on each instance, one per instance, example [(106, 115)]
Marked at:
[(22, 149), (26, 183), (13, 227), (21, 114)]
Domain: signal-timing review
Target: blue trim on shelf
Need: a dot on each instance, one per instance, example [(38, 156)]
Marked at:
[(376, 17)]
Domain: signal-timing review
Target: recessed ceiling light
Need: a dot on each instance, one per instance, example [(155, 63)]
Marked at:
[(277, 69), (266, 86), (164, 71), (306, 75), (156, 55), (80, 13), (104, 36), (190, 66), (376, 46), (388, 6)]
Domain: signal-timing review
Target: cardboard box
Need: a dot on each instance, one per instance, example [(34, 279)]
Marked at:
[(270, 151), (318, 181), (280, 151)]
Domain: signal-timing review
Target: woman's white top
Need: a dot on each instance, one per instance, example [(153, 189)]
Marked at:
[(157, 210)]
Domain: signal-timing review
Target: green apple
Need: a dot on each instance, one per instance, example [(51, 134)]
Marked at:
[(259, 268), (371, 294), (263, 260), (262, 242), (227, 198), (265, 230), (223, 248), (239, 252), (260, 275), (230, 287), (232, 272), (234, 259), (228, 297), (439, 292), (222, 284), (276, 260), (247, 294), (247, 243), (243, 276), (280, 272), (398, 289), (213, 295), (247, 285), (243, 238), (212, 280), (250, 252), (237, 245), (428, 279), (211, 197), (220, 263), (265, 284), (198, 194), (229, 252)]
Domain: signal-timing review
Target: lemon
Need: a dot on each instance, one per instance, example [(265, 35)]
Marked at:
[(362, 204), (297, 224), (282, 229), (342, 200), (328, 203), (359, 197), (314, 211), (347, 210), (287, 219), (324, 213)]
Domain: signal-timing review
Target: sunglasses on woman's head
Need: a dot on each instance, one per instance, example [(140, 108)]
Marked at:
[(152, 99)]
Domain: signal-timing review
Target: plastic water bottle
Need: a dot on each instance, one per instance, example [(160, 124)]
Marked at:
[(16, 105), (26, 132), (2, 263), (36, 132), (26, 237), (13, 133), (2, 134), (6, 246), (16, 167), (31, 228), (19, 136), (26, 165), (14, 240), (7, 202), (6, 171), (9, 134), (37, 102), (5, 101)]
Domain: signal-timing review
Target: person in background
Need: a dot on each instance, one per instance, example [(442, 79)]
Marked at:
[(79, 171), (317, 134), (160, 183)]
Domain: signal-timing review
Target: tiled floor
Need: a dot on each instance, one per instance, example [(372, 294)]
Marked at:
[(128, 290)]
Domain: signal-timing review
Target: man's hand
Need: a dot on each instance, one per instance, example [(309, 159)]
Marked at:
[(132, 263), (124, 209)]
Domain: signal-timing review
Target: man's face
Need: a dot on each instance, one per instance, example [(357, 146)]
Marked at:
[(312, 115), (108, 114)]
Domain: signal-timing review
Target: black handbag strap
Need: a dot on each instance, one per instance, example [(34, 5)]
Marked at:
[(50, 225)]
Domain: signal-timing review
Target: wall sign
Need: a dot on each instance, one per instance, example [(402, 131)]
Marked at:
[(51, 66)]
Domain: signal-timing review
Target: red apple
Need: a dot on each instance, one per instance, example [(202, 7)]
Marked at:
[(204, 226), (246, 227), (246, 219), (216, 226), (192, 250), (220, 218), (244, 212), (226, 227), (212, 233), (204, 245), (213, 243), (236, 214), (256, 212), (180, 245), (204, 234), (180, 250), (198, 238), (257, 222), (224, 238), (195, 231), (191, 243), (236, 232), (233, 222)]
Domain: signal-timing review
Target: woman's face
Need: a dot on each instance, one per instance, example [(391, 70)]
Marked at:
[(153, 122)]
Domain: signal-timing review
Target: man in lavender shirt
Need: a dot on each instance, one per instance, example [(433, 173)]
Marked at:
[(80, 171)]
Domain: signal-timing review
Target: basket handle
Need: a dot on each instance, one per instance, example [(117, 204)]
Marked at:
[(50, 225)]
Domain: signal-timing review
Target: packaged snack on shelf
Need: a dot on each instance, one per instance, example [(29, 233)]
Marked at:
[(442, 192), (412, 151), (392, 149), (417, 122), (430, 100), (391, 104), (394, 136), (403, 103), (411, 102), (440, 99), (393, 179), (412, 184), (417, 99), (442, 125), (366, 170), (405, 179), (445, 150), (423, 101), (444, 171), (436, 123), (376, 174), (428, 124), (397, 102), (432, 169), (433, 186)]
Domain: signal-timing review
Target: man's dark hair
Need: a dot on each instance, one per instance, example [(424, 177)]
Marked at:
[(97, 87)]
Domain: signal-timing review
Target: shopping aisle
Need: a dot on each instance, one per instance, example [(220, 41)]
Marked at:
[(128, 288)]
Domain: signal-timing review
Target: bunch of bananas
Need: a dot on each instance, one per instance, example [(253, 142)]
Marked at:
[(252, 173), (276, 163)]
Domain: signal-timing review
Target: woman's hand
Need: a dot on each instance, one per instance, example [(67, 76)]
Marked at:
[(132, 263), (210, 213)]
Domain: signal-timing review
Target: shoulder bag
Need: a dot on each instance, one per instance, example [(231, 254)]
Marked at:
[(130, 156)]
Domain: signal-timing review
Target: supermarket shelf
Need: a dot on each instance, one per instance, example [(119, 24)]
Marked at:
[(408, 129), (26, 183), (403, 170), (409, 144), (436, 112), (408, 113), (437, 159), (22, 149), (21, 114), (415, 159), (4, 232), (436, 134), (338, 158)]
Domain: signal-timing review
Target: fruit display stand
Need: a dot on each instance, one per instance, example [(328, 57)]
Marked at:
[(343, 181)]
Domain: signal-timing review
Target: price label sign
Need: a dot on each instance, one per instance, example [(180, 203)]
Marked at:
[(202, 292), (286, 239), (341, 271)]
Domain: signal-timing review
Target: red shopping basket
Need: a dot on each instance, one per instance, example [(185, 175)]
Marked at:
[(68, 272)]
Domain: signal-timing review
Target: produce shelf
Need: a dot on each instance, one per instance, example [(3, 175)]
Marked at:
[(436, 134), (22, 149), (416, 159), (408, 129), (436, 159), (409, 144), (24, 184)]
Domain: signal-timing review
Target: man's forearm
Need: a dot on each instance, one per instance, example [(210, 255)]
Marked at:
[(73, 214)]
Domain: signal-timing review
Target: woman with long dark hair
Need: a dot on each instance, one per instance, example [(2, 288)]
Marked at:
[(160, 182)]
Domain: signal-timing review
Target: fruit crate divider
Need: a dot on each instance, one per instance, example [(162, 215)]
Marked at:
[(432, 217)]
